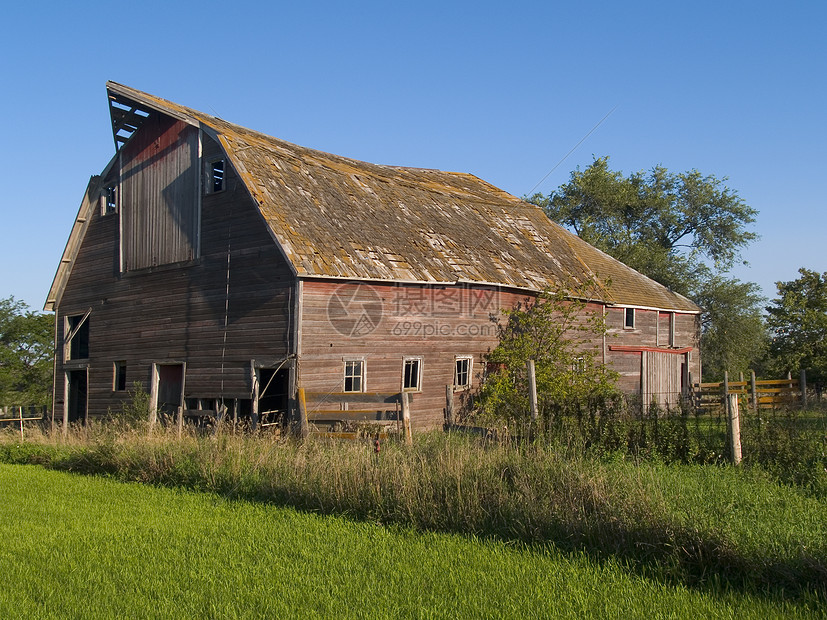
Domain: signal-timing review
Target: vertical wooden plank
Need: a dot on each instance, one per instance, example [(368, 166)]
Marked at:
[(406, 418), (303, 427), (753, 391), (532, 389), (449, 405), (179, 420)]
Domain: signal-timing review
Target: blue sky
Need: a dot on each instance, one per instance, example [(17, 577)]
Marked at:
[(500, 90)]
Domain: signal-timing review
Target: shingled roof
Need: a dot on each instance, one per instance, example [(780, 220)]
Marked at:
[(336, 217)]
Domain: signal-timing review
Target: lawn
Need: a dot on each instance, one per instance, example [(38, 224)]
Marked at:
[(91, 547)]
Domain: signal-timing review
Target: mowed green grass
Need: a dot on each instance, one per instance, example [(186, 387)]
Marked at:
[(89, 547)]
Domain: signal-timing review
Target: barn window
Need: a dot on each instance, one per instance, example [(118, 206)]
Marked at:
[(629, 319), (462, 371), (354, 376), (109, 200), (215, 176), (76, 329), (412, 374), (119, 376)]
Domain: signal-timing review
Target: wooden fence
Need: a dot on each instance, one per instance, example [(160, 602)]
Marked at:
[(21, 414), (753, 393), (334, 413)]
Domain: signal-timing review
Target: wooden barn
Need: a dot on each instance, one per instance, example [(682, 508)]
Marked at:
[(225, 269)]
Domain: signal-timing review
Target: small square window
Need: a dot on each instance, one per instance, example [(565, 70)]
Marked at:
[(354, 376), (629, 318), (119, 377), (462, 372), (412, 374), (216, 178)]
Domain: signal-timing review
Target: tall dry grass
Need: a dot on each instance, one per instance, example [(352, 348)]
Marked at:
[(527, 493)]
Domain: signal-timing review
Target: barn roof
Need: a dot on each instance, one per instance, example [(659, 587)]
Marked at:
[(336, 217)]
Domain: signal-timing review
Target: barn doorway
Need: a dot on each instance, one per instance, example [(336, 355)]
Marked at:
[(77, 393), (273, 395), (167, 388)]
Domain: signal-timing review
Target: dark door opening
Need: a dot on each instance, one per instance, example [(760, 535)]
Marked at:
[(273, 395), (170, 388), (77, 392)]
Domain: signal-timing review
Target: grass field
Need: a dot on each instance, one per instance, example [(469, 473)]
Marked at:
[(89, 547)]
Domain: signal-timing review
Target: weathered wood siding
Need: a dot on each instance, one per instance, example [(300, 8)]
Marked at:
[(159, 194), (652, 330), (178, 313), (383, 324)]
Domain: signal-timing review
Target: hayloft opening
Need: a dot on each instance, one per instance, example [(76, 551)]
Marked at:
[(77, 337), (216, 176)]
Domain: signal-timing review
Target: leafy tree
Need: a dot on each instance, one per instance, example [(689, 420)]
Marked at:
[(798, 322), (672, 227), (733, 335), (26, 349), (559, 334), (681, 229)]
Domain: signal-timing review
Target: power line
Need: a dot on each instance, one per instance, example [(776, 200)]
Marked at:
[(565, 157)]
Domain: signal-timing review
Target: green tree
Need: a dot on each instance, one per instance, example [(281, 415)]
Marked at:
[(561, 335), (733, 334), (684, 230), (797, 319), (673, 227), (26, 350)]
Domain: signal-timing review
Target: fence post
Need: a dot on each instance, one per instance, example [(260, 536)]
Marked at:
[(21, 423), (725, 388), (802, 384), (179, 420), (449, 406), (734, 428), (532, 390), (753, 391)]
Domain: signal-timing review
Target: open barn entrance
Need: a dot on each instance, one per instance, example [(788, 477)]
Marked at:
[(273, 395), (76, 396), (167, 389)]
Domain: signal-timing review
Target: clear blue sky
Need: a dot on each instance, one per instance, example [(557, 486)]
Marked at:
[(500, 90)]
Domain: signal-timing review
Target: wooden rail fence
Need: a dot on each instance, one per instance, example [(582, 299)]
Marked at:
[(24, 414), (330, 412), (753, 393)]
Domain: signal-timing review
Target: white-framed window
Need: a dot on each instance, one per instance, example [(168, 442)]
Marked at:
[(119, 376), (412, 374), (354, 375), (629, 318), (463, 367), (579, 365), (216, 176)]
